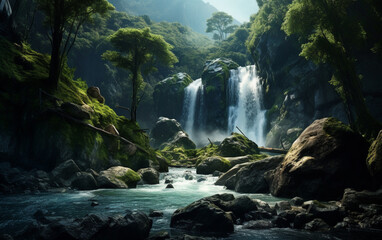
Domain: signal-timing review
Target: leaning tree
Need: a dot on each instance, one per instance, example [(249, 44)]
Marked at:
[(135, 49)]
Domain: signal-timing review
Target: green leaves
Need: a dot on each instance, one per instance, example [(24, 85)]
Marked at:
[(221, 23)]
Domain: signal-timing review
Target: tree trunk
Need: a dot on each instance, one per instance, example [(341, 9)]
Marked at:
[(57, 35), (134, 100)]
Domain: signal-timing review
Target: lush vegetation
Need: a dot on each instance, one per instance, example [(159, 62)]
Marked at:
[(221, 24)]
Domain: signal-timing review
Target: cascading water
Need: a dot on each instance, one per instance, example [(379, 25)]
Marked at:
[(190, 103), (245, 104)]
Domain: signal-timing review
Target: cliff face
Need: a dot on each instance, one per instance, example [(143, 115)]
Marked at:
[(297, 91)]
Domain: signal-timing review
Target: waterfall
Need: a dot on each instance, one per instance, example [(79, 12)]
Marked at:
[(190, 105), (245, 104)]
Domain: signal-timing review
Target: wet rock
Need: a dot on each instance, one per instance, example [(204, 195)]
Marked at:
[(188, 175), (93, 204), (230, 173), (328, 213), (296, 201), (76, 111), (84, 181), (211, 164), (217, 173), (169, 186), (167, 181), (257, 215), (280, 222), (240, 205), (352, 199), (250, 177), (202, 216), (64, 173), (118, 177), (94, 92), (202, 179), (289, 215), (258, 224), (301, 219), (317, 225), (160, 236), (283, 206), (149, 175), (238, 160), (155, 214), (322, 162), (237, 145)]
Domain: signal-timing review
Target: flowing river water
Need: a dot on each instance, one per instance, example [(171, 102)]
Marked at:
[(16, 210)]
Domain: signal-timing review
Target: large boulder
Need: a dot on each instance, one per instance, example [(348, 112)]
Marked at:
[(65, 173), (237, 145), (134, 225), (374, 159), (118, 177), (169, 93), (212, 164), (230, 173), (215, 80), (250, 178), (327, 158), (202, 216), (149, 175), (77, 111), (94, 92), (84, 181), (168, 132)]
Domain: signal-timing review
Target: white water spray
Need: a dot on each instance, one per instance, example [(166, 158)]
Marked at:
[(244, 104)]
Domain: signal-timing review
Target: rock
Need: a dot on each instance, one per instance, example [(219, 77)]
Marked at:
[(202, 216), (257, 215), (237, 145), (301, 219), (188, 175), (149, 175), (215, 81), (94, 92), (217, 174), (227, 175), (112, 129), (64, 173), (374, 160), (163, 165), (76, 111), (238, 160), (258, 224), (180, 139), (280, 222), (169, 94), (160, 236), (94, 203), (289, 215), (118, 177), (296, 201), (240, 205), (211, 164), (331, 214), (352, 199), (6, 237), (135, 225), (169, 186), (156, 214), (166, 181), (84, 181), (323, 161), (250, 177), (283, 206), (164, 130), (202, 179), (317, 225)]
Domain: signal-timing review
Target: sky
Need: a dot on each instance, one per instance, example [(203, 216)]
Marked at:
[(241, 10)]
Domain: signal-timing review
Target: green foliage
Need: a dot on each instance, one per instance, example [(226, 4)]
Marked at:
[(336, 128), (221, 23), (130, 177)]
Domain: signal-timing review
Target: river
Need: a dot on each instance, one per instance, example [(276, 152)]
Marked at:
[(16, 210)]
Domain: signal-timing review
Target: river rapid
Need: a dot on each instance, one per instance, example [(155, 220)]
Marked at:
[(16, 211)]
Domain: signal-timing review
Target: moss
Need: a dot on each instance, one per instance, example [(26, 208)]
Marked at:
[(336, 128), (130, 177)]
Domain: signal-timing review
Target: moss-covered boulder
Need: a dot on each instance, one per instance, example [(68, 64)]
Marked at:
[(237, 145), (215, 80), (180, 139), (212, 164), (149, 175), (169, 93), (374, 159), (327, 158), (118, 177)]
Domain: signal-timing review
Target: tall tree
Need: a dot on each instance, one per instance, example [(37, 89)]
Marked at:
[(330, 35), (65, 17), (220, 22), (137, 49)]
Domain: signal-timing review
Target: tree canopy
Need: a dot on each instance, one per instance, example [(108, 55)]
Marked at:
[(220, 22), (64, 18), (137, 50)]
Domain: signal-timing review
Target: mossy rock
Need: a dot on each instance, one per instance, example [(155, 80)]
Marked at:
[(237, 145), (212, 164), (374, 159), (118, 177)]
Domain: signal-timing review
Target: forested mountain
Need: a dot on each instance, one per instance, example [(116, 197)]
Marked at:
[(192, 13)]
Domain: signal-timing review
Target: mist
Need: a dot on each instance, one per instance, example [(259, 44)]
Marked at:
[(241, 10)]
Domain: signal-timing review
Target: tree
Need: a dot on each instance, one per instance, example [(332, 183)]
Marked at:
[(138, 48), (329, 35), (65, 17), (221, 23)]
